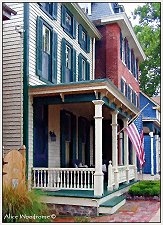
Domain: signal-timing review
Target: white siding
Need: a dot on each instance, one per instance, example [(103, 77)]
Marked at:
[(56, 24), (12, 55)]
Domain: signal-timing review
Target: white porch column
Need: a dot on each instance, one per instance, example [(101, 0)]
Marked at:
[(98, 175), (157, 153), (134, 162), (115, 147), (152, 164), (126, 158), (121, 148)]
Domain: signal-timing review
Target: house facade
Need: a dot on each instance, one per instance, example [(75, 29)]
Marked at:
[(77, 87), (151, 128)]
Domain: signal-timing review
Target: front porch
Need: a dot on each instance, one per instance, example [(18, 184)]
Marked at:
[(85, 120)]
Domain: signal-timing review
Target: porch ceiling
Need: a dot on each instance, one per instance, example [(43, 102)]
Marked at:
[(100, 88)]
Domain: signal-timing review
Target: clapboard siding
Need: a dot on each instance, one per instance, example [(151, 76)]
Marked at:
[(12, 53), (56, 24)]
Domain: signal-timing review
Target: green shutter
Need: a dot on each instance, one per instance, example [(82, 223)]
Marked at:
[(39, 49), (80, 138), (129, 57), (62, 139), (79, 67), (54, 57), (80, 34), (74, 66), (63, 21), (74, 28), (54, 12), (88, 43), (87, 70), (73, 121), (63, 60)]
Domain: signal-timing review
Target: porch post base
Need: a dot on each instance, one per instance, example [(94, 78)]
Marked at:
[(116, 178), (98, 184)]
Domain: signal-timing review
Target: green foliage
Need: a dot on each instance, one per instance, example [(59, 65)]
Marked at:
[(23, 205), (145, 188), (148, 33), (82, 219)]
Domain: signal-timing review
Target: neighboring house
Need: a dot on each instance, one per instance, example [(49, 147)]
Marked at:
[(151, 128), (66, 100)]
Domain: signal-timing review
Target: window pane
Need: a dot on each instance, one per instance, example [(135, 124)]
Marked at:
[(68, 57), (83, 69), (46, 39)]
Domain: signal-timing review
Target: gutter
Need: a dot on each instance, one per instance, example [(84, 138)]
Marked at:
[(25, 81)]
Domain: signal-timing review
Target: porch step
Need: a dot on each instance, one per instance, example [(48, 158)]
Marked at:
[(112, 205)]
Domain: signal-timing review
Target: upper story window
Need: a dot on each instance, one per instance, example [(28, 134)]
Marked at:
[(68, 63), (46, 52), (46, 39), (49, 8), (68, 22), (128, 57), (157, 114), (83, 68), (84, 39)]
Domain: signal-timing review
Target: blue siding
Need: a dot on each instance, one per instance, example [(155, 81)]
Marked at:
[(148, 111), (147, 149)]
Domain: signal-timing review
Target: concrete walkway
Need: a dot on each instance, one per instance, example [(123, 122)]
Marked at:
[(156, 217)]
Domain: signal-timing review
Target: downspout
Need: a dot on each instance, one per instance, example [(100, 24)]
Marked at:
[(25, 81)]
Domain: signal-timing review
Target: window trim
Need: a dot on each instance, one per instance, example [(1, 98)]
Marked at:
[(87, 76), (86, 45)]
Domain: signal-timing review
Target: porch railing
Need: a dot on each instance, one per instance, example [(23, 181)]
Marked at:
[(119, 175), (63, 178)]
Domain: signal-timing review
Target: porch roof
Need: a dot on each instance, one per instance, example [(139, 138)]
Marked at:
[(102, 88)]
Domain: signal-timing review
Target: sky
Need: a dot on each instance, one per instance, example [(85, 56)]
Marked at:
[(129, 8)]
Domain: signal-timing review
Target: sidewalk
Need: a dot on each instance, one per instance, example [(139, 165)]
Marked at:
[(133, 211), (156, 217)]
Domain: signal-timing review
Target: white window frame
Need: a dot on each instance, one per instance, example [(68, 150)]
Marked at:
[(68, 57), (83, 69)]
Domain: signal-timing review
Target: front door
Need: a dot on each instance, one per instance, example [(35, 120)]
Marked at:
[(40, 158)]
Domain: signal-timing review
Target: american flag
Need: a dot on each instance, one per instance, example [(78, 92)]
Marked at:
[(135, 133)]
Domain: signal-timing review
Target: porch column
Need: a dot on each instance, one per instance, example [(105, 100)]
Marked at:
[(157, 153), (121, 149), (152, 164), (98, 175), (115, 147), (134, 162), (126, 159)]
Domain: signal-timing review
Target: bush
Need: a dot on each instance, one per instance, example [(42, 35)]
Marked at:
[(145, 188), (82, 219), (24, 206)]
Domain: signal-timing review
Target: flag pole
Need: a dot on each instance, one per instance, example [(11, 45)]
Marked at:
[(133, 118)]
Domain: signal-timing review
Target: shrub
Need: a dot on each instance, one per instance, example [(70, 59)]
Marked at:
[(24, 206), (145, 188), (81, 219)]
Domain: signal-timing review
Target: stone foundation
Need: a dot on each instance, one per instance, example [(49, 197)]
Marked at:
[(72, 210)]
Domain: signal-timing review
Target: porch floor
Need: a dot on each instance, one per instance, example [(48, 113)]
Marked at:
[(83, 193)]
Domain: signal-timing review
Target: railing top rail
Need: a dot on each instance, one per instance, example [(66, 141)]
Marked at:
[(64, 169)]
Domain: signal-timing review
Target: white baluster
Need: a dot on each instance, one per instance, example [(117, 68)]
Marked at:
[(44, 178), (85, 179), (89, 179), (38, 185), (61, 184), (64, 180), (75, 177), (41, 179), (71, 179), (78, 179)]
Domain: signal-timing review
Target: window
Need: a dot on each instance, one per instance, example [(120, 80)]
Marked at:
[(46, 39), (68, 22), (68, 64), (83, 68), (49, 8), (46, 52), (84, 39), (123, 86)]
